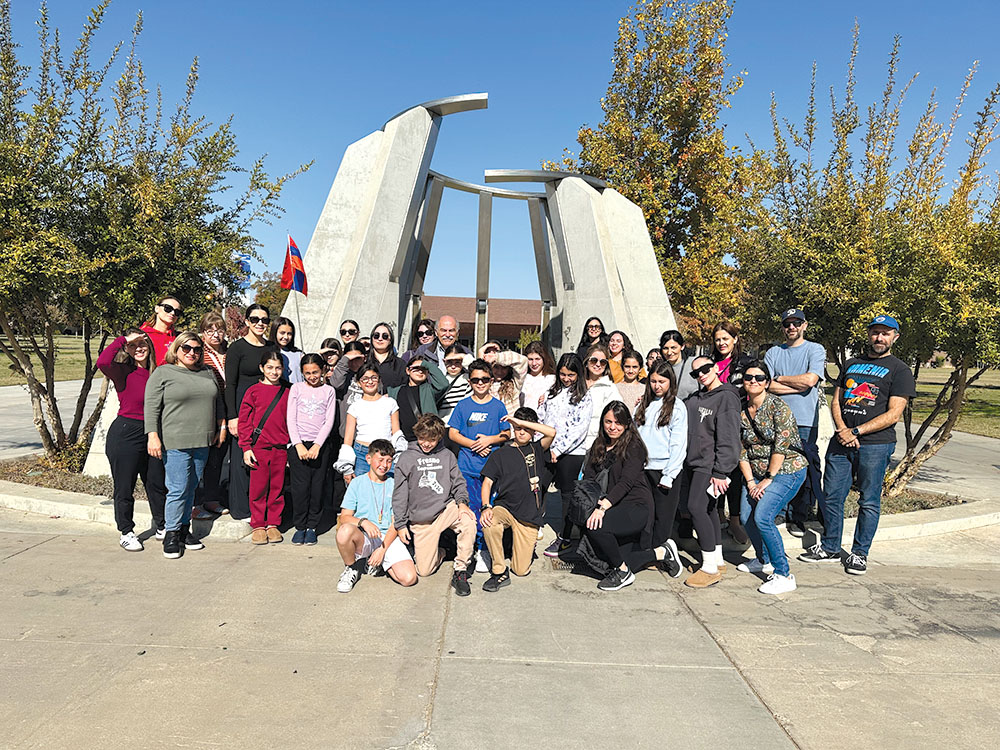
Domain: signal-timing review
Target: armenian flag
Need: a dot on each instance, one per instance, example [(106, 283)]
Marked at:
[(293, 276)]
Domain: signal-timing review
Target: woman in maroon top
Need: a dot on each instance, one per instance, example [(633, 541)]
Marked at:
[(127, 363), (160, 328)]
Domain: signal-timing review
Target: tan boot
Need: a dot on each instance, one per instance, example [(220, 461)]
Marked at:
[(273, 535), (702, 580), (722, 570), (258, 536)]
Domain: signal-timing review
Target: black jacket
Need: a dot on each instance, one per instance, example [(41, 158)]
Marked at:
[(714, 430)]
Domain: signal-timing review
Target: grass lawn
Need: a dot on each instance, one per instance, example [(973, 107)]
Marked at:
[(69, 361)]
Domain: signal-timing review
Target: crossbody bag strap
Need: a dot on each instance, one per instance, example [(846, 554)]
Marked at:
[(440, 399), (413, 401), (263, 420), (760, 435)]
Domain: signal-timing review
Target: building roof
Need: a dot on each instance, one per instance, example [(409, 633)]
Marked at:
[(526, 313)]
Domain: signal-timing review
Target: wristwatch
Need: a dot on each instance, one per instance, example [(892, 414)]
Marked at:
[(768, 474), (855, 431)]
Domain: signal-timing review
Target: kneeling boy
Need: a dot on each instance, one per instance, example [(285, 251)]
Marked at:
[(429, 497), (365, 530), (516, 474)]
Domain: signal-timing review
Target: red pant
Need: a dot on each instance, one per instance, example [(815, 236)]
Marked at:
[(267, 481)]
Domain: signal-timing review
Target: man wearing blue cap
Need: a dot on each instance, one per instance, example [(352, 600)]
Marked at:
[(869, 399)]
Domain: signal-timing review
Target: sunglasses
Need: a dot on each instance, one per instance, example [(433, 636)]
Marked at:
[(762, 378), (348, 331), (417, 368), (480, 381), (170, 309), (491, 350), (259, 321), (328, 355), (595, 327), (188, 349), (792, 323), (697, 372), (453, 363), (423, 332), (378, 336), (597, 361)]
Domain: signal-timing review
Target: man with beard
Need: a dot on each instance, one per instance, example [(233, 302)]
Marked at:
[(869, 399)]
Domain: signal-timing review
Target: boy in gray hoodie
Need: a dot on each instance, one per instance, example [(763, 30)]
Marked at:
[(430, 496)]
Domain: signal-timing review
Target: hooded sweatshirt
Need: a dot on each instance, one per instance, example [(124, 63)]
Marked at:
[(714, 430), (425, 484)]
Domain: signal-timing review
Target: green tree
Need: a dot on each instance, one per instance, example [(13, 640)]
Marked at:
[(882, 230), (107, 202), (267, 291), (662, 145)]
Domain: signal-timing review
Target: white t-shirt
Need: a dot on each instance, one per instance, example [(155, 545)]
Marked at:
[(374, 418), (534, 387)]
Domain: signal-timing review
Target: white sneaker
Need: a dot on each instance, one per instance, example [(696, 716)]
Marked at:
[(130, 542), (484, 564), (160, 533), (541, 533), (347, 580), (778, 584), (755, 566)]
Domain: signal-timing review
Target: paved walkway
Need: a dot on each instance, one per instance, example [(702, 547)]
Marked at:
[(19, 437), (251, 647)]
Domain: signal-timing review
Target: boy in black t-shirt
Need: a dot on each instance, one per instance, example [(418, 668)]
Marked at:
[(514, 477)]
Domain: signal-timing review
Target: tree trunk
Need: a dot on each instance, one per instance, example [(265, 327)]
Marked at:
[(15, 352)]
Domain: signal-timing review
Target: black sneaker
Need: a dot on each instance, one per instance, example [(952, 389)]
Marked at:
[(796, 529), (497, 581), (617, 579), (672, 559), (460, 582), (856, 565), (557, 547), (190, 541), (816, 553), (172, 545)]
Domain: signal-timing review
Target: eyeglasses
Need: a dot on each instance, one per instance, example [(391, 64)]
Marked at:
[(480, 381), (597, 361), (453, 363), (188, 349), (170, 309), (793, 323), (379, 336), (424, 332), (697, 372), (213, 332), (369, 379), (762, 378), (259, 321), (348, 331)]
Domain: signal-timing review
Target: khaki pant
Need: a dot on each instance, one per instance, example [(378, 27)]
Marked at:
[(525, 535), (426, 536)]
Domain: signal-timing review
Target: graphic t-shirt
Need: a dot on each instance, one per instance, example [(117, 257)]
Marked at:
[(512, 469), (865, 387), (370, 500), (807, 357), (471, 419)]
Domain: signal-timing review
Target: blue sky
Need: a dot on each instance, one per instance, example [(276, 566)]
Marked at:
[(305, 79)]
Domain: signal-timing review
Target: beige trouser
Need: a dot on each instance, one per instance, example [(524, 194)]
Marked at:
[(426, 536), (525, 535)]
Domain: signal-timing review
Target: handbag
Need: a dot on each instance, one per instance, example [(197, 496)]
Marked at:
[(263, 420), (586, 495)]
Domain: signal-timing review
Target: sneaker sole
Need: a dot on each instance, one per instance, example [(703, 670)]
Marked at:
[(172, 555), (802, 558), (855, 572), (194, 546)]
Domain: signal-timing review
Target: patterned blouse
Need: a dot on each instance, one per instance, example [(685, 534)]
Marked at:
[(776, 425)]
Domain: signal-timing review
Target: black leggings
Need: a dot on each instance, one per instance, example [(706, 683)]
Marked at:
[(125, 446), (239, 482), (307, 483), (567, 470), (210, 490), (622, 523), (665, 503), (702, 508), (733, 496)]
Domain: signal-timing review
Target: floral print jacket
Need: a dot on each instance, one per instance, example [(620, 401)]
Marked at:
[(780, 434)]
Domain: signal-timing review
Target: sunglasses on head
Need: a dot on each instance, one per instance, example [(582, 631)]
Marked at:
[(762, 378), (697, 372), (259, 321), (379, 335), (792, 322), (188, 349), (170, 309), (597, 361), (480, 381), (348, 331)]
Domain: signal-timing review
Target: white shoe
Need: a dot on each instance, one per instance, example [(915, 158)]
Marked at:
[(541, 533), (130, 542), (778, 584), (755, 566), (347, 580), (484, 564), (160, 533)]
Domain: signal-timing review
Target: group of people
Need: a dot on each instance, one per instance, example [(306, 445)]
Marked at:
[(642, 450)]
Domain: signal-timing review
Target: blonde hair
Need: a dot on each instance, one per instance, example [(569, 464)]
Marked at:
[(184, 338)]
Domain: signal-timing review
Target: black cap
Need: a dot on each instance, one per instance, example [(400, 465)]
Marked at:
[(793, 312)]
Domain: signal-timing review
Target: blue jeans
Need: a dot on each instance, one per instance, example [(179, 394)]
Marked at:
[(758, 518), (868, 463), (183, 470)]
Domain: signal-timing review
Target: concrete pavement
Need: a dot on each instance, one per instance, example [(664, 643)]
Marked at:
[(19, 437), (251, 647)]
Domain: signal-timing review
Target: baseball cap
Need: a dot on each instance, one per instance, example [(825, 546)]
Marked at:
[(885, 320), (793, 312)]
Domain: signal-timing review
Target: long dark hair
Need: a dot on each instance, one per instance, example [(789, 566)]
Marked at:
[(665, 370), (274, 333), (548, 363), (585, 339), (415, 338), (572, 363), (599, 452), (733, 330), (626, 341)]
